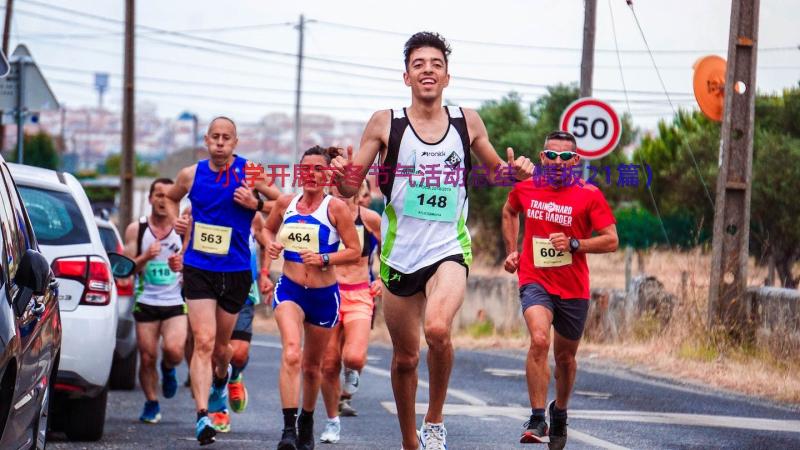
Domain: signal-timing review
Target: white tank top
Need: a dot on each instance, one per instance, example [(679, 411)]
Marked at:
[(157, 285), (307, 231), (425, 223)]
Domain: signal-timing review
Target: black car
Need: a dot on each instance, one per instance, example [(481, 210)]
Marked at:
[(30, 326)]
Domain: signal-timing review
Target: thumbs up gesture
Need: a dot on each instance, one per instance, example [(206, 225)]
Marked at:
[(340, 164), (523, 167)]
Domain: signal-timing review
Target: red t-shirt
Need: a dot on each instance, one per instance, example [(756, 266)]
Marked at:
[(576, 211)]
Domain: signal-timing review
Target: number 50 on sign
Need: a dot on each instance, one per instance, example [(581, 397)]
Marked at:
[(595, 125)]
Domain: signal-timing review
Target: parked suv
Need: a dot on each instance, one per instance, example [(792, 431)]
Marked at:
[(30, 326), (68, 237), (123, 367)]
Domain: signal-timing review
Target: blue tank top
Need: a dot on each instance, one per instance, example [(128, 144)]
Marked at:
[(220, 227), (307, 231)]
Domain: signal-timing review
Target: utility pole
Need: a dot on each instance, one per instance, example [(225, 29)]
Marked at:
[(587, 57), (128, 123), (6, 37), (297, 125), (728, 285)]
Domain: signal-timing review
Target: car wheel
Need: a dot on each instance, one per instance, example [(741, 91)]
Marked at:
[(123, 373), (45, 411), (86, 417)]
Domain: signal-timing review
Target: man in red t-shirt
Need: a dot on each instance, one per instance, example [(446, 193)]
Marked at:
[(561, 213)]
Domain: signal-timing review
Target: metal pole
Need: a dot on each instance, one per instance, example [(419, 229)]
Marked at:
[(297, 107), (128, 123), (194, 132), (20, 109), (587, 57), (6, 37), (727, 288)]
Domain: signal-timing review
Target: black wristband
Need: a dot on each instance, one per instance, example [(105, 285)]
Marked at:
[(260, 205)]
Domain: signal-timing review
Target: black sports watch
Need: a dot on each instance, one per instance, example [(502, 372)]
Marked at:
[(260, 205), (326, 259), (574, 245)]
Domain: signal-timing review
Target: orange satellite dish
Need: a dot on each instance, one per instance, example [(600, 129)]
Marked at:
[(709, 86)]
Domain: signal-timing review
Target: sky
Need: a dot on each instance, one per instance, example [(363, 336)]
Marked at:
[(238, 57)]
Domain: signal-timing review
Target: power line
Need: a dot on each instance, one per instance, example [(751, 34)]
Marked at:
[(539, 47)]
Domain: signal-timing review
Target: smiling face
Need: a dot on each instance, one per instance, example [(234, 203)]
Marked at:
[(426, 73)]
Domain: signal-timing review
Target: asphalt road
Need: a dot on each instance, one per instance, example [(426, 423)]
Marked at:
[(612, 408)]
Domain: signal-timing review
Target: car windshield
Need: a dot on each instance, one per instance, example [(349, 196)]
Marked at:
[(56, 218), (109, 239)]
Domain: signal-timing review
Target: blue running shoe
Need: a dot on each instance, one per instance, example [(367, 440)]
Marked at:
[(218, 398), (169, 381), (151, 412), (205, 431)]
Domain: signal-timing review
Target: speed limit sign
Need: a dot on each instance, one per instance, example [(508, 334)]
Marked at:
[(595, 125)]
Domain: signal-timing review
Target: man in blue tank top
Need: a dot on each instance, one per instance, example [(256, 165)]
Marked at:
[(216, 274)]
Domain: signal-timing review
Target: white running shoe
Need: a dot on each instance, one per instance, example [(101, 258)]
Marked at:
[(330, 435), (351, 379), (433, 436)]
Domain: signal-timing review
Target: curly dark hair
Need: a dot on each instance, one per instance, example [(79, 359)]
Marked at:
[(426, 39), (327, 153)]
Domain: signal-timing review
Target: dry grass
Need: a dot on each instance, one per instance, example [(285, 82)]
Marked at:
[(686, 350)]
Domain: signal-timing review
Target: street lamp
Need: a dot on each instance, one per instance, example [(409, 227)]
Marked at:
[(186, 115)]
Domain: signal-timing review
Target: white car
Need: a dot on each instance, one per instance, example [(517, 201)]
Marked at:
[(123, 369), (68, 237)]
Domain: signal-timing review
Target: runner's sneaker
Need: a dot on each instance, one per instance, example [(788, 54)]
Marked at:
[(558, 429), (204, 431), (330, 435), (350, 381), (288, 439), (151, 412), (218, 398), (237, 394), (169, 381), (535, 431), (346, 409), (305, 432), (433, 436), (221, 421)]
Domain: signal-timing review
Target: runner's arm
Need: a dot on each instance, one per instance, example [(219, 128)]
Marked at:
[(347, 232), (376, 134), (606, 241), (130, 250), (486, 154), (271, 226), (510, 227), (179, 189)]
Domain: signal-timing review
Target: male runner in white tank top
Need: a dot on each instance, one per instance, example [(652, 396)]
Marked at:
[(426, 245)]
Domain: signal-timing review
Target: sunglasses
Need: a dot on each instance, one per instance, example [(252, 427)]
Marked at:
[(553, 155)]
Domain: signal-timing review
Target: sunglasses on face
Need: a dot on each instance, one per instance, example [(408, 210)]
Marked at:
[(553, 155)]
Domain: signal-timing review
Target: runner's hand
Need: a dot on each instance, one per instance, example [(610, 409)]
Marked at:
[(182, 224), (376, 288), (512, 262), (560, 242), (311, 259), (266, 286), (175, 262), (243, 195), (275, 250), (523, 167), (153, 251), (340, 163)]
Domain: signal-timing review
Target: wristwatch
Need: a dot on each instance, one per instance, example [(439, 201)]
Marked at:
[(574, 245), (326, 259), (260, 205)]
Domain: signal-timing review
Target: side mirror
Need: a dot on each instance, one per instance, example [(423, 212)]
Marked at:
[(121, 266), (33, 272), (31, 278)]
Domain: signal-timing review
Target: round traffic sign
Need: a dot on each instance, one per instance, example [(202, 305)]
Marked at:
[(595, 125)]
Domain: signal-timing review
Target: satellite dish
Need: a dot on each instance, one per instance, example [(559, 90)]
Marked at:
[(709, 86)]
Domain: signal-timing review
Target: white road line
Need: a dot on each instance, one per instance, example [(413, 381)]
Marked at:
[(461, 395)]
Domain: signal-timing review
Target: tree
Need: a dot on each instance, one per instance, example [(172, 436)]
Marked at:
[(143, 169), (39, 151)]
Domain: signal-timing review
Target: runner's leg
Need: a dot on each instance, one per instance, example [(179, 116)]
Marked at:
[(566, 367), (202, 319), (403, 317), (147, 342), (445, 294), (316, 341), (538, 319), (331, 368), (290, 317), (173, 331), (222, 345)]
